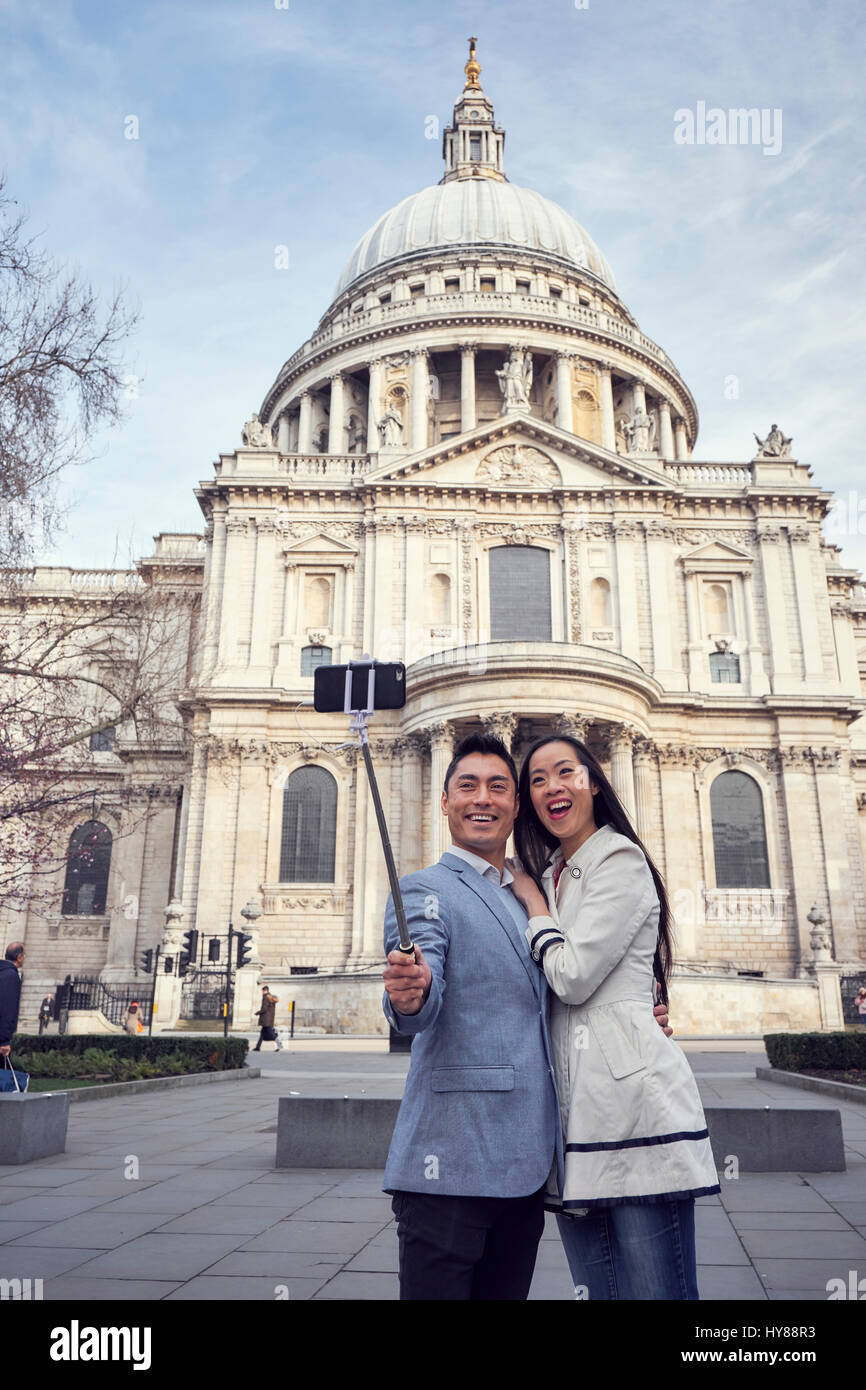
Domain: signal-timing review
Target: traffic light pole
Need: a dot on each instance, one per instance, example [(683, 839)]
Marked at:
[(153, 994), (228, 998)]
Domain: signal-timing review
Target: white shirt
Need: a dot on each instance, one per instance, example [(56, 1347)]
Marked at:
[(483, 866)]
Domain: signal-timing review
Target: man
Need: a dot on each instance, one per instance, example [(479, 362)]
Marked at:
[(10, 994), (266, 1015), (478, 1131)]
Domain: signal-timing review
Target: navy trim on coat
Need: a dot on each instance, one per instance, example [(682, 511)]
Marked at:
[(605, 1147), (645, 1199)]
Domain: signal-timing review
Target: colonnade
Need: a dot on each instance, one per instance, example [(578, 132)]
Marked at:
[(671, 443)]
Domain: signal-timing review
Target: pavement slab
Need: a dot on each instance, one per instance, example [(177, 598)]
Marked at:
[(211, 1218)]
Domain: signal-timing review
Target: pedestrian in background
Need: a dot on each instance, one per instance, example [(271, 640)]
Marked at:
[(10, 993), (266, 1016), (46, 1013), (860, 1002), (133, 1024)]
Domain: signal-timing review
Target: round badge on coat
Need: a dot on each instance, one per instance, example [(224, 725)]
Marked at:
[(575, 872)]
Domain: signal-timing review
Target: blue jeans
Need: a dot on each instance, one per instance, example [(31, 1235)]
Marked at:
[(635, 1250)]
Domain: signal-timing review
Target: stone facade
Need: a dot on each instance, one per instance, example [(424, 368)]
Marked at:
[(388, 463)]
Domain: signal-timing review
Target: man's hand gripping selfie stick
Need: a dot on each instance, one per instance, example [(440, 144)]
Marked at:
[(359, 727)]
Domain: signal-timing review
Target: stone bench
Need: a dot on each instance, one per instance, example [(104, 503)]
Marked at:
[(333, 1132), (33, 1126)]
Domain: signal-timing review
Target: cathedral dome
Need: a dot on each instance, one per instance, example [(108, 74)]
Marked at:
[(475, 212)]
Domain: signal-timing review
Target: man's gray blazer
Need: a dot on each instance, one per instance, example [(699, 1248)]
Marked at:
[(480, 1116)]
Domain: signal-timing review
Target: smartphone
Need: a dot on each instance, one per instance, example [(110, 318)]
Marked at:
[(329, 686)]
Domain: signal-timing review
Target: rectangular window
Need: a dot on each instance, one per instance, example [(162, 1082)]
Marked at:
[(103, 740), (452, 286), (475, 147), (520, 594), (725, 668), (524, 286), (416, 291), (384, 299), (487, 284), (556, 291)]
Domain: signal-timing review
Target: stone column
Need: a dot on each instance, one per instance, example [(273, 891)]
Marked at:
[(804, 584), (638, 397), (807, 876), (441, 751), (643, 759), (758, 682), (215, 562), (666, 441), (622, 769), (260, 636), (283, 433), (573, 727), (629, 635), (769, 540), (608, 424), (501, 726), (127, 880), (467, 387), (564, 414), (417, 628), (682, 857), (846, 649), (698, 671), (682, 442), (834, 851), (236, 544), (305, 424), (337, 414), (374, 405), (411, 792), (420, 381), (660, 605)]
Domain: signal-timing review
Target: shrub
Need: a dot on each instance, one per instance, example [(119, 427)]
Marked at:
[(822, 1051), (200, 1054), (124, 1058)]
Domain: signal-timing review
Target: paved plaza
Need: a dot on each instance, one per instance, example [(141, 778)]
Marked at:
[(209, 1217)]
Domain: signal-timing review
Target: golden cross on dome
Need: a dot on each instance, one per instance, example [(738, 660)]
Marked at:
[(473, 67)]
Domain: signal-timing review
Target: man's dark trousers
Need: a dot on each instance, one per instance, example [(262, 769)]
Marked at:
[(467, 1248)]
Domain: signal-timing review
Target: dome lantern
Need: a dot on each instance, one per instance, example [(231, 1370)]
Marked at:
[(473, 145)]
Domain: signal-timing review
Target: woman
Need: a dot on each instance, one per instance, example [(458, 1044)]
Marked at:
[(637, 1152), (132, 1023)]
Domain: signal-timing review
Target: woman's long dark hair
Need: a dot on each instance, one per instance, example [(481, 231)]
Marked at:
[(534, 843)]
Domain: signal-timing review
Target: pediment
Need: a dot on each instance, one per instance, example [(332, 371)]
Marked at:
[(715, 552), (319, 545), (521, 453)]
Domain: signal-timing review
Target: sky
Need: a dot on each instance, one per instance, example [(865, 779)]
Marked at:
[(297, 123)]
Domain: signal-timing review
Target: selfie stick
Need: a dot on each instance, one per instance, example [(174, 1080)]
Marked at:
[(359, 727)]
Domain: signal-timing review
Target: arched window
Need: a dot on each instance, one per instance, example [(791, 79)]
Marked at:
[(317, 602), (739, 834), (309, 836), (313, 657), (520, 594), (440, 600), (600, 606), (88, 860), (717, 608)]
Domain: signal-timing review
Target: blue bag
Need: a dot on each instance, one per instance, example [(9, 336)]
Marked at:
[(12, 1080)]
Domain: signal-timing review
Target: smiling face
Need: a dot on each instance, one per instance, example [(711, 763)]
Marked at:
[(562, 794), (481, 804)]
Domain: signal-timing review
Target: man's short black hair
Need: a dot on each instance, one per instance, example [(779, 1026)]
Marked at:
[(481, 743)]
